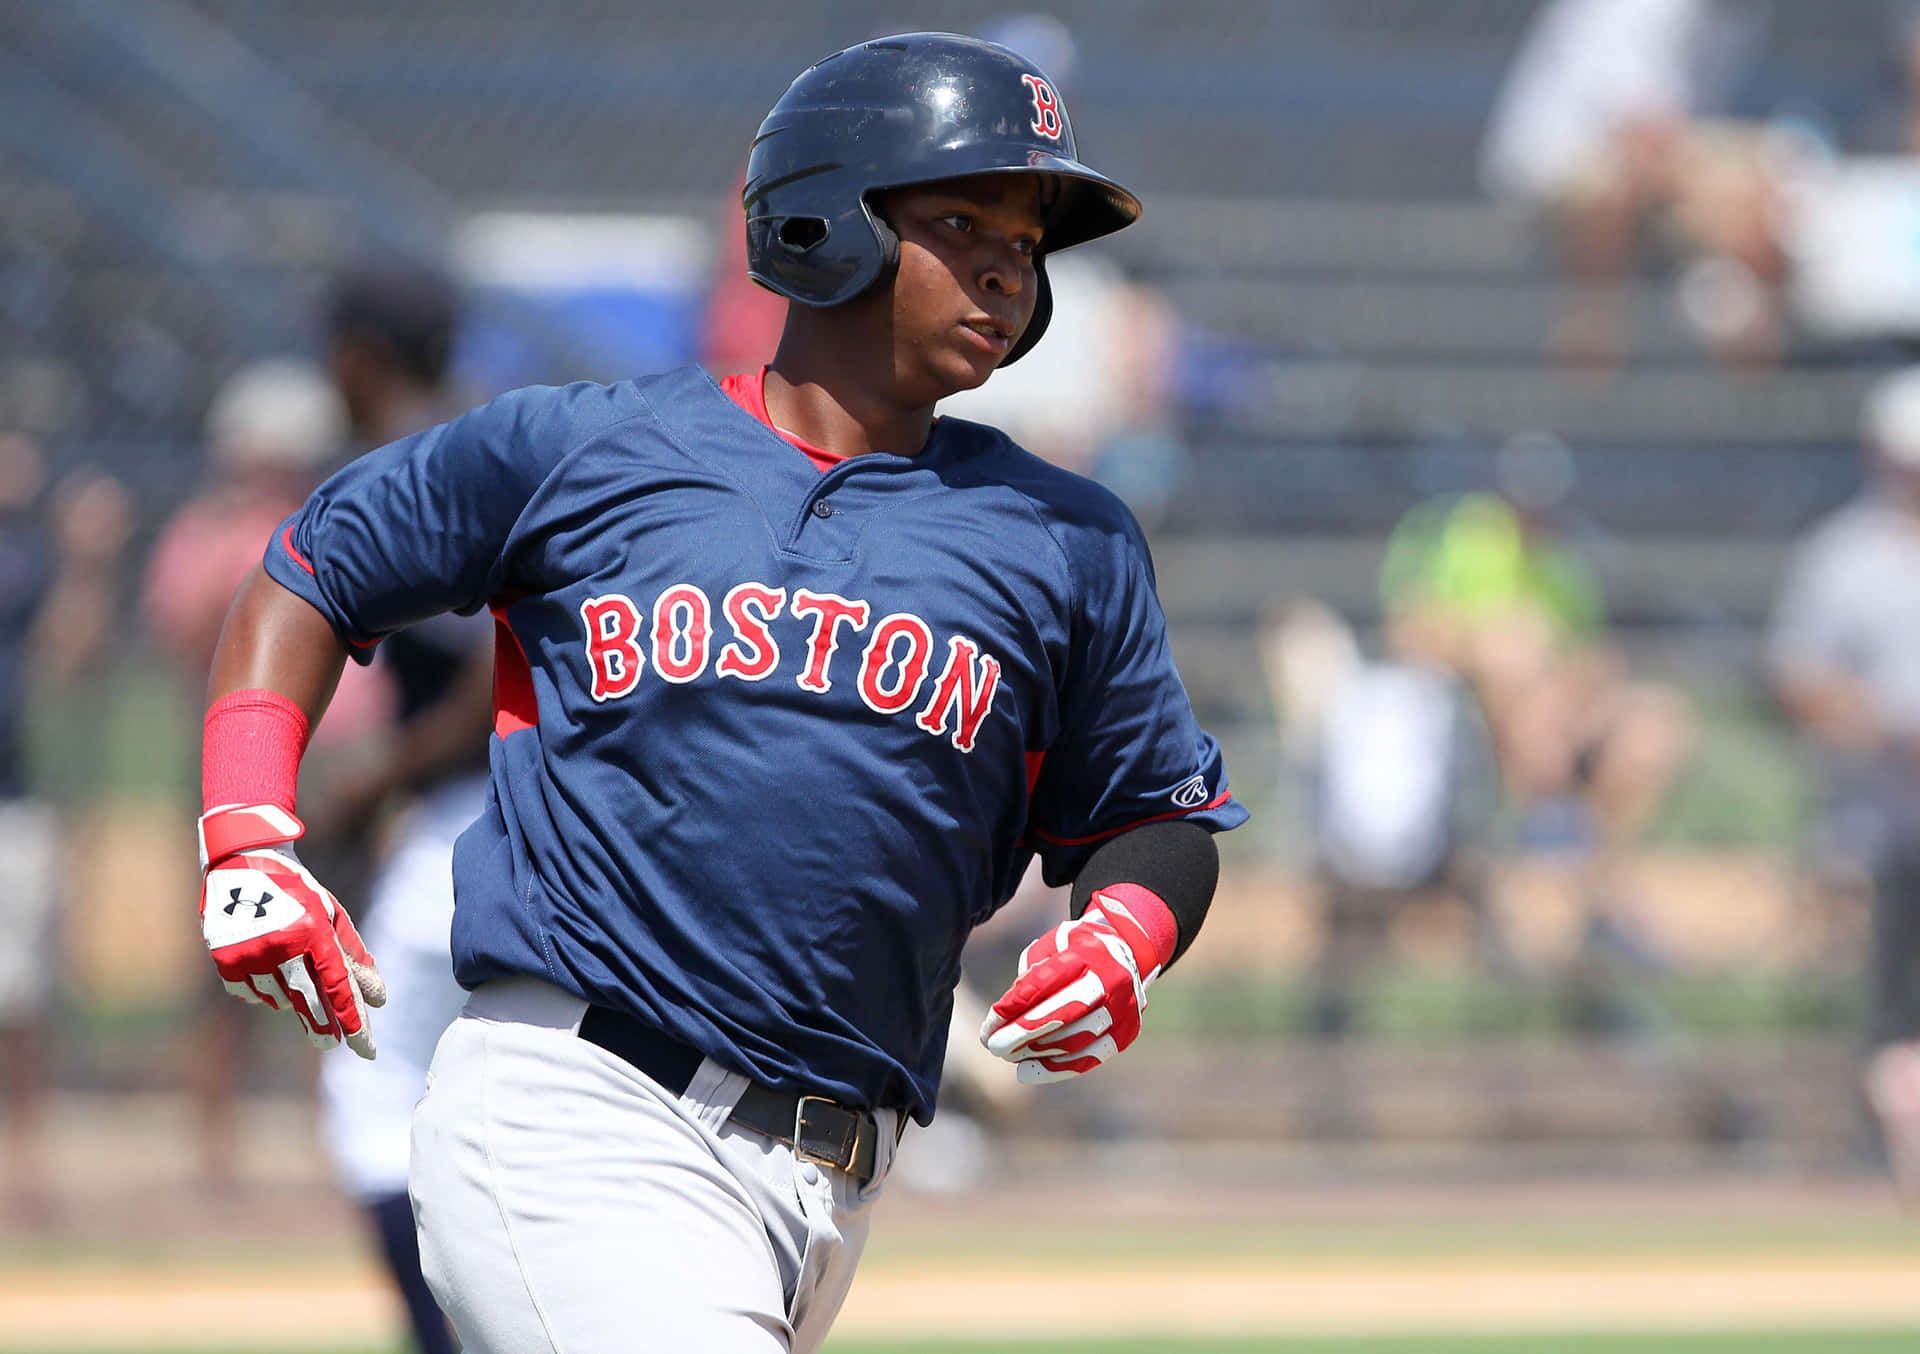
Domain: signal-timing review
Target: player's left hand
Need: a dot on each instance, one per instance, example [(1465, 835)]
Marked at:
[(1078, 996)]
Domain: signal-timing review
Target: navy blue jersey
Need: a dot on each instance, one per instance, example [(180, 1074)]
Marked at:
[(770, 741)]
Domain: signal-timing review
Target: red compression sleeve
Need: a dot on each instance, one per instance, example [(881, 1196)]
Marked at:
[(250, 750)]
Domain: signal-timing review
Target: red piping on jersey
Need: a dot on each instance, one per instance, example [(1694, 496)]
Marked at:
[(286, 544), (516, 705), (1214, 803), (748, 389)]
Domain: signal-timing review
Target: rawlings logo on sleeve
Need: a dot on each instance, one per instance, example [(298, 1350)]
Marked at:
[(902, 668), (1191, 793)]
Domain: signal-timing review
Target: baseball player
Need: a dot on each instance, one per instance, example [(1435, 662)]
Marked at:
[(792, 680), (390, 329)]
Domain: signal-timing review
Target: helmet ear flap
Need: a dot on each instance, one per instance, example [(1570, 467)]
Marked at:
[(1042, 312), (821, 260), (889, 248)]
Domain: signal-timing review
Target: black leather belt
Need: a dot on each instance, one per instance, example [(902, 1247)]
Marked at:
[(817, 1129)]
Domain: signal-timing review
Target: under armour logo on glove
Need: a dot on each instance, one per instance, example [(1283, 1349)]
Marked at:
[(1080, 991), (259, 905), (281, 939)]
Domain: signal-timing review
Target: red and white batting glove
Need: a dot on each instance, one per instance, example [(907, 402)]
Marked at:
[(276, 935), (1081, 988)]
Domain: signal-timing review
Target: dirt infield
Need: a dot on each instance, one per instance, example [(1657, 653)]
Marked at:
[(1652, 1293), (346, 1305), (1205, 1240)]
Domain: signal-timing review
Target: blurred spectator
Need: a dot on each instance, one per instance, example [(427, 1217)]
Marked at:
[(1307, 652), (271, 429), (1844, 654), (390, 328), (1586, 752), (1387, 761), (1504, 601), (1404, 799), (1852, 223), (1605, 124), (57, 609)]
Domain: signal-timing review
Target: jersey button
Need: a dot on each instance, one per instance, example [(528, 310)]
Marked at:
[(822, 508)]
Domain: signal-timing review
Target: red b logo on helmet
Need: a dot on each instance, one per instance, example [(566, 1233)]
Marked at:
[(1046, 107)]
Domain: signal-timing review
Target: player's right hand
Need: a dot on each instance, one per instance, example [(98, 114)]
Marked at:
[(276, 935), (1079, 993)]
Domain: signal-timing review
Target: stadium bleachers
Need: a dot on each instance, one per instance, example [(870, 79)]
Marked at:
[(176, 180)]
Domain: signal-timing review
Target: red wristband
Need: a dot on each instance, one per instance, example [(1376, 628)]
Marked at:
[(250, 750), (1154, 916)]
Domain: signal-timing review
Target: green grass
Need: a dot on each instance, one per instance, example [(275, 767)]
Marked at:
[(1413, 1005)]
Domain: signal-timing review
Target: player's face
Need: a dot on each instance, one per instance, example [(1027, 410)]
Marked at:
[(966, 287)]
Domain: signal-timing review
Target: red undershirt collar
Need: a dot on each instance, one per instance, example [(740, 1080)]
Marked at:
[(748, 389)]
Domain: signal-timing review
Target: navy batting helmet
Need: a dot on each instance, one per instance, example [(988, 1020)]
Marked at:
[(912, 109)]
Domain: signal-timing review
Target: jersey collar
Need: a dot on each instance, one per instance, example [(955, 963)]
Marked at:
[(748, 390)]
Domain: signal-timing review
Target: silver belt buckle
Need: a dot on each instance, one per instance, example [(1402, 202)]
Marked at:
[(800, 1148)]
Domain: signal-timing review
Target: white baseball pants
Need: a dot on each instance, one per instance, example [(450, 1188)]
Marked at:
[(567, 1204)]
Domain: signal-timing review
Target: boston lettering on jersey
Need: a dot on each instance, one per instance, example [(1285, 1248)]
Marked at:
[(894, 666)]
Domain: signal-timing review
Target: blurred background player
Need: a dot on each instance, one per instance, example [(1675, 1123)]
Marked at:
[(1844, 653), (390, 330), (272, 430)]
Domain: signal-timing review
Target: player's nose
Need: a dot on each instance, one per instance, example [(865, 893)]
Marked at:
[(1004, 269)]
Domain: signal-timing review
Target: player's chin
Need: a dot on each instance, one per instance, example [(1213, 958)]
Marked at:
[(955, 369), (975, 377)]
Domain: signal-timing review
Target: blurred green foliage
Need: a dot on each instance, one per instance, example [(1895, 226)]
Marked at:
[(1402, 1002)]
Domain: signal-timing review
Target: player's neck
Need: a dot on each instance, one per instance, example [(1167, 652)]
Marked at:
[(823, 394)]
